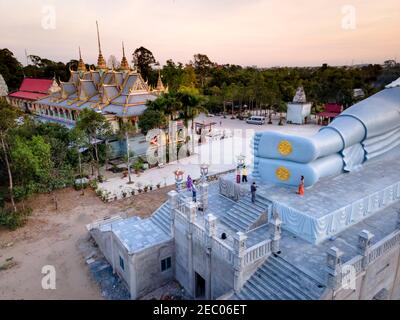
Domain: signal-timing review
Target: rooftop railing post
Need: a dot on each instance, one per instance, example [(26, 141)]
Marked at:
[(276, 222), (334, 266), (364, 244), (211, 230), (173, 204), (239, 247)]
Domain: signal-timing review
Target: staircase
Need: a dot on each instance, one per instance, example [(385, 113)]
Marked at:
[(277, 279), (162, 217), (244, 215)]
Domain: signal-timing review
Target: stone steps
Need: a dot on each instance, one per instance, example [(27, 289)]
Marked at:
[(162, 217), (243, 214), (277, 279)]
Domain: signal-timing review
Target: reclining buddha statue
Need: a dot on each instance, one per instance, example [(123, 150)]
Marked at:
[(362, 132)]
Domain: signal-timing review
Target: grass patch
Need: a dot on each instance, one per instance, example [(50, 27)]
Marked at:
[(13, 220)]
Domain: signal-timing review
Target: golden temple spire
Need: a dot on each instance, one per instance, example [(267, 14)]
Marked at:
[(81, 64), (160, 85), (101, 63), (124, 61)]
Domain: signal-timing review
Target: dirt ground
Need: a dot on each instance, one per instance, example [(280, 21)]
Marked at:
[(56, 237)]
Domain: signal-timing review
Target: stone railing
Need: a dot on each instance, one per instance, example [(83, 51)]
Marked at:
[(359, 263), (223, 250), (199, 233), (383, 246), (356, 263), (258, 251)]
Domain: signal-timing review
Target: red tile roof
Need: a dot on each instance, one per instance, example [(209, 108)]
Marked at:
[(35, 85), (27, 95), (32, 89)]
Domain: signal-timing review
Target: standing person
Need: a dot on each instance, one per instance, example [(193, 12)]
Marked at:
[(244, 174), (253, 190), (189, 183), (194, 193), (237, 174), (301, 186)]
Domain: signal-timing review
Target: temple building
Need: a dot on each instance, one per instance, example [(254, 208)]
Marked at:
[(340, 240), (30, 91), (120, 95)]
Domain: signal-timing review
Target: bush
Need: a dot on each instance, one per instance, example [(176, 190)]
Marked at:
[(14, 220)]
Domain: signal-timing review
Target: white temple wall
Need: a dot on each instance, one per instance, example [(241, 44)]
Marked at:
[(148, 268)]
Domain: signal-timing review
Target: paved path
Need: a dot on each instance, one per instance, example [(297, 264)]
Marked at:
[(221, 155)]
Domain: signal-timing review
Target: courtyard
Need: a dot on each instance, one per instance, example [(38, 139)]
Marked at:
[(220, 154)]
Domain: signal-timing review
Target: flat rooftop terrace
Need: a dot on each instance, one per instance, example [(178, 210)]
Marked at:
[(335, 203)]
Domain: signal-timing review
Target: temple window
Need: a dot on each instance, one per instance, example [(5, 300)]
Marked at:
[(165, 264)]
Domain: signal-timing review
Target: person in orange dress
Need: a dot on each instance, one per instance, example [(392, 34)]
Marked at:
[(301, 186)]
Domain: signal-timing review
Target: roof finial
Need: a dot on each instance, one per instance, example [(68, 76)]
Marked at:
[(124, 61), (81, 64), (101, 63), (98, 36)]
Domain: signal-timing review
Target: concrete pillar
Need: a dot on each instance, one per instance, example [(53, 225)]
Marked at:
[(132, 277), (173, 204), (190, 210), (211, 230), (203, 189), (239, 247), (334, 266), (276, 223), (364, 243)]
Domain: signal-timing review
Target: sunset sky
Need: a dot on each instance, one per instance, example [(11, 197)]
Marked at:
[(247, 32)]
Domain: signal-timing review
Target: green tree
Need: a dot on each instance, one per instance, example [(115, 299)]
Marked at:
[(143, 59), (10, 69), (203, 65), (95, 126), (8, 121), (152, 119)]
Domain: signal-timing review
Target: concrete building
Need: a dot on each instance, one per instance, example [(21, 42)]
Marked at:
[(341, 240)]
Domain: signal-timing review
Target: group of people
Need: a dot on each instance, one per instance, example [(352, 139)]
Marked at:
[(241, 174)]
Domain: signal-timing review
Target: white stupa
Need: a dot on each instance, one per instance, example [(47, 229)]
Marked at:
[(394, 84), (299, 110), (3, 87)]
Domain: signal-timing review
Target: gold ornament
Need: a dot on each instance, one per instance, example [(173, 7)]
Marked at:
[(285, 147), (282, 173)]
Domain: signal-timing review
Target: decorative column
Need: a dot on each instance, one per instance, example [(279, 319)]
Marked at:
[(364, 244), (178, 179), (276, 222), (190, 210), (239, 247), (203, 187), (211, 231), (334, 268), (173, 205)]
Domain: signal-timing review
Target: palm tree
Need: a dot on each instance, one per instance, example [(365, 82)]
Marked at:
[(191, 106)]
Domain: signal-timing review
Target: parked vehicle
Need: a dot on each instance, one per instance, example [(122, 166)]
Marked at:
[(256, 120)]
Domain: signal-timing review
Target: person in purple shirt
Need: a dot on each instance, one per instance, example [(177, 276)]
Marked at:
[(189, 183)]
